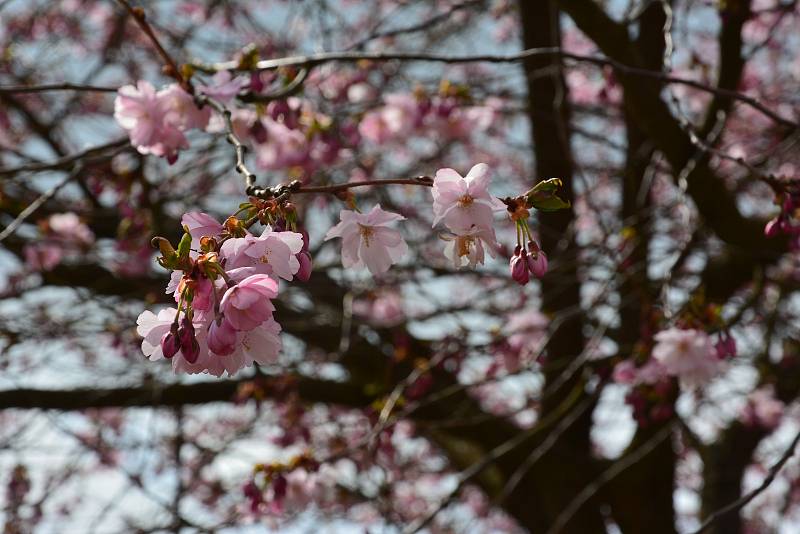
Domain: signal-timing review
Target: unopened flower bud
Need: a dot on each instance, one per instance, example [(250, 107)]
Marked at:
[(258, 132), (537, 263), (234, 226), (725, 346), (519, 266), (306, 265), (170, 344), (221, 338), (191, 351), (208, 243), (164, 246)]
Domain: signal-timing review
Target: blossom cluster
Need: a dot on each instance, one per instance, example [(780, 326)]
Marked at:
[(286, 134), (224, 278), (63, 233), (156, 121), (448, 115), (687, 354), (224, 281), (788, 220)]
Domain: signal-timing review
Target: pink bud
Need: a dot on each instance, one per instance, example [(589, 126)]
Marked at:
[(186, 332), (256, 84), (306, 240), (258, 132), (519, 267), (191, 351), (306, 265), (221, 338), (725, 346), (625, 372), (170, 344), (537, 264)]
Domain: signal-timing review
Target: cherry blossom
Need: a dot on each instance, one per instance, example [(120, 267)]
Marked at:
[(468, 249), (156, 121), (69, 229), (762, 409), (273, 253), (224, 86), (247, 304), (464, 203), (42, 256), (367, 241), (395, 119), (687, 354)]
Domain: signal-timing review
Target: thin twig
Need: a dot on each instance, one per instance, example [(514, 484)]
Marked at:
[(172, 69), (67, 161), (17, 89), (44, 197), (499, 451), (608, 475), (238, 147), (426, 181), (743, 500), (421, 26), (313, 60)]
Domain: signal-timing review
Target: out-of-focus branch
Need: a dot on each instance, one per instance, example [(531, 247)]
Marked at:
[(622, 66), (742, 501), (44, 197), (23, 89), (67, 161), (171, 395), (171, 67)]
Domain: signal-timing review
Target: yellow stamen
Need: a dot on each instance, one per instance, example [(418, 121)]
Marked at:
[(465, 201), (366, 233)]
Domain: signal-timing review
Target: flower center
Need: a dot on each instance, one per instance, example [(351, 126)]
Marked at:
[(265, 257), (366, 233), (465, 201), (464, 245)]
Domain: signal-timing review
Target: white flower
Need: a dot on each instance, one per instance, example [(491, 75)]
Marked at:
[(367, 241), (687, 354)]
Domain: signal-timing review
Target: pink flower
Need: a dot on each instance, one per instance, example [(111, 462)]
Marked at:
[(261, 345), (201, 225), (283, 148), (468, 249), (383, 309), (224, 86), (396, 119), (247, 304), (140, 111), (652, 372), (156, 120), (221, 337), (69, 228), (366, 240), (762, 409), (687, 354), (42, 256), (272, 253), (461, 122), (464, 203)]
